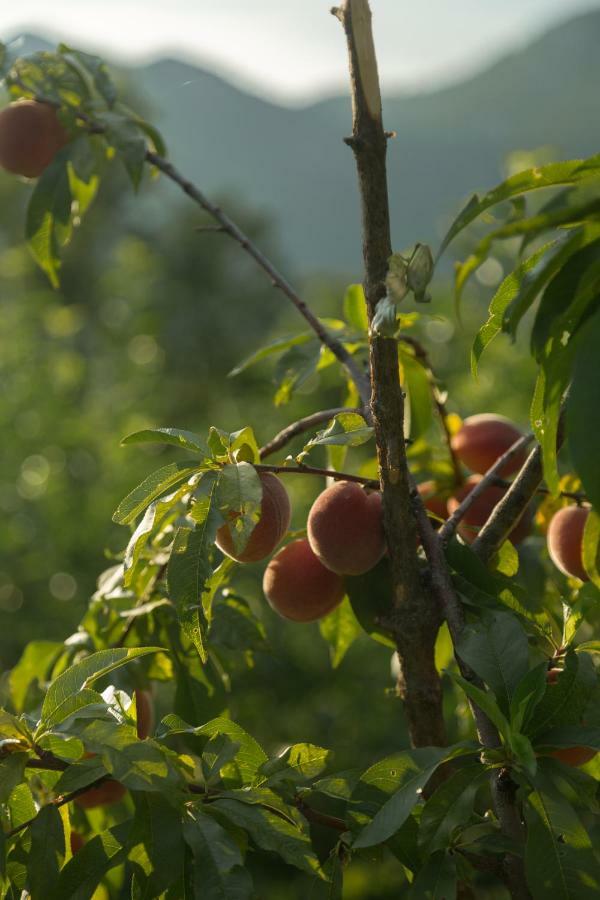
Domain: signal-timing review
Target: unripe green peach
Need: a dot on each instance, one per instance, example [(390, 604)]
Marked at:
[(565, 540), (483, 439), (478, 514), (345, 528), (298, 586), (104, 794), (145, 713), (275, 514), (30, 136)]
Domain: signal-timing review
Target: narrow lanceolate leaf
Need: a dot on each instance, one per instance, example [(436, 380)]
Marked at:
[(271, 832), (591, 547), (159, 482), (496, 648), (248, 759), (157, 843), (48, 226), (84, 871), (486, 701), (546, 405), (217, 871), (12, 769), (568, 172), (437, 879), (565, 702), (186, 440), (190, 568), (239, 493), (123, 134), (340, 629), (582, 407), (400, 777), (154, 514), (58, 702), (559, 860), (97, 68), (450, 806), (521, 279), (47, 852), (345, 430), (355, 308), (298, 763)]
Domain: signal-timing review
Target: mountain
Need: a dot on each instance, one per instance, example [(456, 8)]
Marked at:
[(291, 164)]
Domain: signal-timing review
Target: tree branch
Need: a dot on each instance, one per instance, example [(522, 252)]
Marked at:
[(291, 431), (450, 525), (311, 470), (510, 509), (229, 227), (415, 613)]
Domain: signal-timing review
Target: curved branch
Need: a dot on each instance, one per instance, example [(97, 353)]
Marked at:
[(311, 470), (229, 227), (291, 431), (450, 525)]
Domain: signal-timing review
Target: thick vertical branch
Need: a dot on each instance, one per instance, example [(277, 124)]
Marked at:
[(415, 615)]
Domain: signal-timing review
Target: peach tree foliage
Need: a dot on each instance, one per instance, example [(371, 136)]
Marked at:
[(204, 799)]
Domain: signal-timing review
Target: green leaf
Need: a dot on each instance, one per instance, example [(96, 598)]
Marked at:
[(582, 407), (450, 806), (48, 226), (249, 758), (526, 696), (590, 550), (298, 763), (97, 68), (521, 281), (152, 487), (124, 135), (369, 596), (340, 629), (234, 626), (437, 879), (355, 308), (47, 852), (12, 771), (84, 700), (32, 669), (344, 430), (546, 405), (559, 861), (154, 515), (402, 776), (564, 702), (416, 382), (84, 871), (81, 675), (572, 289), (217, 870), (271, 832), (239, 492), (186, 440), (278, 346), (486, 701), (496, 648), (157, 848), (568, 172)]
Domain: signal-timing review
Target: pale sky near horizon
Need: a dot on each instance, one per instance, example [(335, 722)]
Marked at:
[(293, 50)]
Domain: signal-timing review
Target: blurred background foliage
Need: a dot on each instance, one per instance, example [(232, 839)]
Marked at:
[(152, 314)]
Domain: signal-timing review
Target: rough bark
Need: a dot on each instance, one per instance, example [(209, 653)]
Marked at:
[(414, 615)]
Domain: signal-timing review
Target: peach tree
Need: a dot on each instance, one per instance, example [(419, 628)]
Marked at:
[(414, 542)]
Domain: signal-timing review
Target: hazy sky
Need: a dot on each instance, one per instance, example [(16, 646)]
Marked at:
[(293, 49)]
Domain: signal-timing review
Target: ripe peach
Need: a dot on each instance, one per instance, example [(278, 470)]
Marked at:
[(298, 586), (574, 756), (104, 794), (145, 713), (30, 136), (565, 539), (275, 514), (484, 438), (345, 528), (480, 511), (432, 501), (77, 842)]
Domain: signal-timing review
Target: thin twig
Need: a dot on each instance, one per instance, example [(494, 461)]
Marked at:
[(277, 279), (450, 525), (291, 431), (311, 470)]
